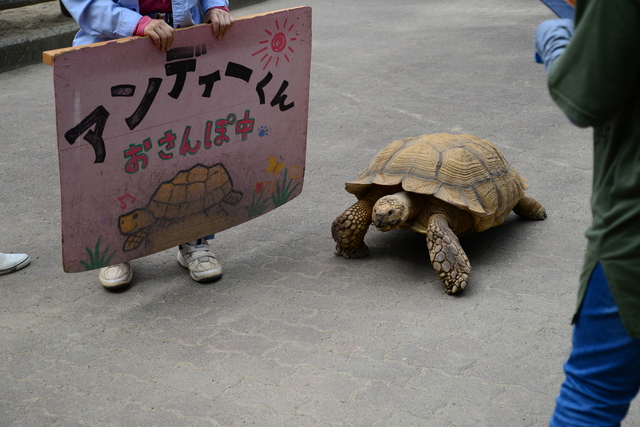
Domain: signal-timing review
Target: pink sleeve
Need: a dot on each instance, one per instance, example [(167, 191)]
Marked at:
[(226, 9), (143, 22)]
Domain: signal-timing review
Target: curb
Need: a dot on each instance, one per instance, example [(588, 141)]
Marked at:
[(26, 47)]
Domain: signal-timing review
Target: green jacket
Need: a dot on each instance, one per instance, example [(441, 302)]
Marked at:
[(596, 82)]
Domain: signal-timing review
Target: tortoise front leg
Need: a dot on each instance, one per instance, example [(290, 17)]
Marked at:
[(446, 253), (349, 229), (136, 239)]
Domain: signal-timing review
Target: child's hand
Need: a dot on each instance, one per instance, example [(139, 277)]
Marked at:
[(161, 33), (222, 21)]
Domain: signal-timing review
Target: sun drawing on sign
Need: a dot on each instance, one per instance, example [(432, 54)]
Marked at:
[(276, 46)]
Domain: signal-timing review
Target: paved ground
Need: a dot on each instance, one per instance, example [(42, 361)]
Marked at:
[(292, 335)]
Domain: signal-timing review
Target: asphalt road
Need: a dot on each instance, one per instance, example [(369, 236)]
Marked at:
[(293, 335)]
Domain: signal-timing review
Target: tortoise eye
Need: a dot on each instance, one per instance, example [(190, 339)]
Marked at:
[(390, 212), (135, 215)]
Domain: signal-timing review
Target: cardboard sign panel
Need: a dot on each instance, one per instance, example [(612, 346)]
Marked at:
[(156, 149)]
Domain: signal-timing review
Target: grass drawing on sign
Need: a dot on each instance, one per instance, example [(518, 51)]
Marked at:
[(98, 258)]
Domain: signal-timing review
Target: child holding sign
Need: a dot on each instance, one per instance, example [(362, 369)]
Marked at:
[(102, 20)]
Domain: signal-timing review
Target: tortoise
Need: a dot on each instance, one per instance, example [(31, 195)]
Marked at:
[(197, 191), (441, 185)]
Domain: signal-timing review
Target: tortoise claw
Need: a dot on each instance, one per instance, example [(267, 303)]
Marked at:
[(352, 253), (452, 287), (348, 230)]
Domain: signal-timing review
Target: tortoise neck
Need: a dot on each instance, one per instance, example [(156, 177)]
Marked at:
[(459, 220), (414, 202)]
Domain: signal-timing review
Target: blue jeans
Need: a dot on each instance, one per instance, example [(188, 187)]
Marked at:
[(603, 370)]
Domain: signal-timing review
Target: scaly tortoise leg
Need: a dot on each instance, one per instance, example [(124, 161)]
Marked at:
[(530, 208), (233, 198), (349, 229), (447, 256)]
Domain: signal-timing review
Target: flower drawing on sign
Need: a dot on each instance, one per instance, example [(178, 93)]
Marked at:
[(279, 190), (270, 187), (277, 45), (294, 173), (258, 205)]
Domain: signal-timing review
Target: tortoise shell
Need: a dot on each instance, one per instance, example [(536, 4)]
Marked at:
[(461, 170), (190, 191), (196, 194)]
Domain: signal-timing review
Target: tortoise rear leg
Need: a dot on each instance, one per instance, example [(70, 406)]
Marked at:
[(446, 254), (349, 229), (233, 198), (530, 208)]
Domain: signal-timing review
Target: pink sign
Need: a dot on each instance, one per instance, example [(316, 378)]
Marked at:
[(157, 149)]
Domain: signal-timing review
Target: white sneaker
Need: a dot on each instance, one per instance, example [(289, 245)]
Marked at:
[(116, 276), (200, 260), (13, 262)]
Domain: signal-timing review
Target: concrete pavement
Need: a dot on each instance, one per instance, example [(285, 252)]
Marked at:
[(292, 335)]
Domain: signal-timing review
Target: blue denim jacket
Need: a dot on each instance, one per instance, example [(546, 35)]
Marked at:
[(102, 20)]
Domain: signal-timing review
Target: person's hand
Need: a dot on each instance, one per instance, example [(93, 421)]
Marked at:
[(161, 33), (221, 21)]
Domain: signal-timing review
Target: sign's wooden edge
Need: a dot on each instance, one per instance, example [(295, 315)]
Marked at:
[(49, 56)]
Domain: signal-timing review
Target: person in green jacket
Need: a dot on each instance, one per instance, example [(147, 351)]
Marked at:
[(593, 66)]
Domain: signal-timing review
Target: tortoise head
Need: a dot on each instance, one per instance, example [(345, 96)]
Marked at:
[(391, 211), (134, 221)]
